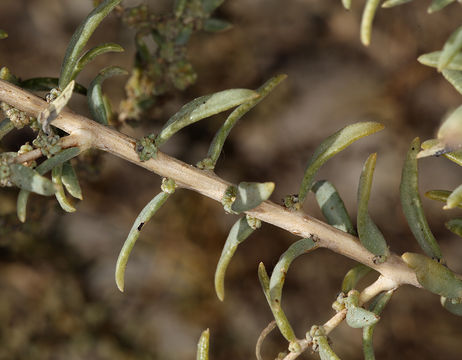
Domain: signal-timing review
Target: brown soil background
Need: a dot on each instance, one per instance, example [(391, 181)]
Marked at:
[(58, 299)]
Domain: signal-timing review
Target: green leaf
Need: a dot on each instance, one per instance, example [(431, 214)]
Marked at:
[(3, 34), (279, 316), (91, 54), (216, 25), (30, 180), (70, 181), (450, 49), (202, 108), (455, 199), (332, 206), (432, 59), (324, 349), (144, 216), (42, 169), (377, 306), (434, 277), (250, 195), (369, 234), (63, 201), (455, 309), (203, 346), (47, 84), (80, 38), (238, 233), (439, 195), (412, 205), (219, 139), (357, 317), (435, 147), (333, 145), (455, 225), (353, 276), (369, 11), (96, 102), (21, 205), (58, 159), (392, 3), (454, 77), (437, 5), (346, 4), (278, 275)]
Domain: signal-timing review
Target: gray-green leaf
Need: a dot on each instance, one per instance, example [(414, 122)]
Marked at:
[(450, 49), (91, 54), (369, 11), (47, 84), (454, 77), (30, 180), (392, 3), (203, 346), (324, 349), (369, 234), (96, 103), (144, 216), (455, 225), (80, 38), (63, 201), (353, 276), (278, 275), (333, 145), (279, 316), (250, 195), (219, 139), (238, 233), (357, 317), (70, 181), (432, 59), (202, 108), (412, 205), (434, 277), (332, 206), (377, 306), (455, 309), (437, 5)]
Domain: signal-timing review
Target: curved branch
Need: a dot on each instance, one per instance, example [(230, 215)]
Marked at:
[(93, 134)]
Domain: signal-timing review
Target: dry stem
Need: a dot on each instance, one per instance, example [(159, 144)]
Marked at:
[(93, 134)]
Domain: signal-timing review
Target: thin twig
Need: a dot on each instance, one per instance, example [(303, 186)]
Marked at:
[(65, 142), (92, 134), (270, 327), (380, 285)]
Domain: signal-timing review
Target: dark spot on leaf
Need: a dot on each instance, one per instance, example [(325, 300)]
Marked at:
[(140, 226)]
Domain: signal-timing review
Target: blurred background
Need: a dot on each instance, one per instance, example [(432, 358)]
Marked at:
[(58, 298)]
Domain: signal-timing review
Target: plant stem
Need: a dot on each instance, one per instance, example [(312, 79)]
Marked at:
[(381, 284), (92, 134)]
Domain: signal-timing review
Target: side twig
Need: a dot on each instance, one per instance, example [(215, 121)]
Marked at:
[(380, 285)]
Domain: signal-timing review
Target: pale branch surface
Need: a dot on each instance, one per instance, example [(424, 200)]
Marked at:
[(92, 134)]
